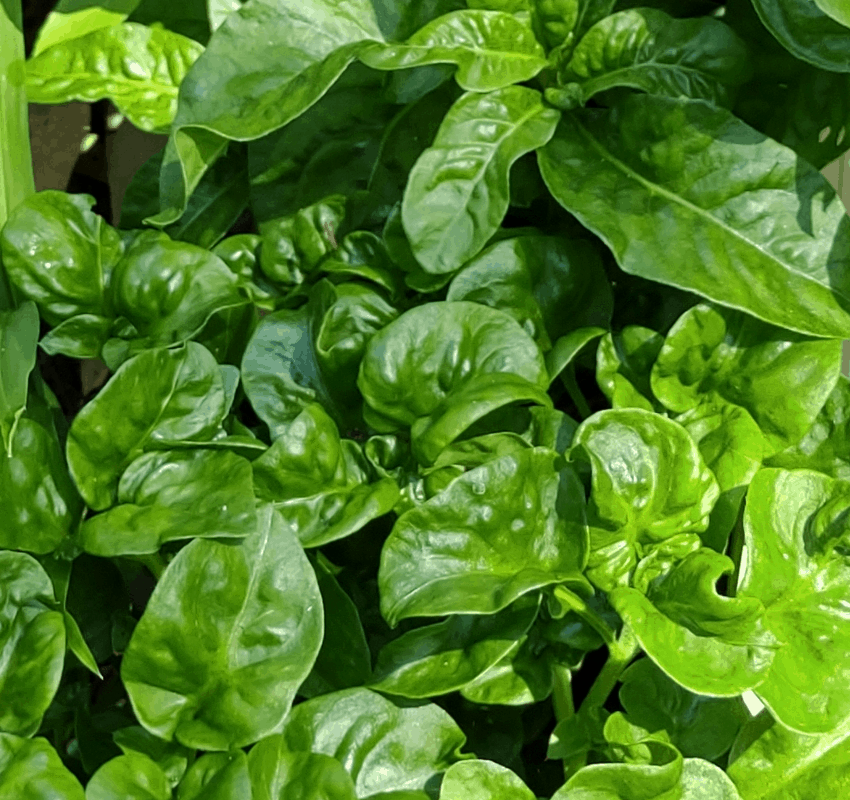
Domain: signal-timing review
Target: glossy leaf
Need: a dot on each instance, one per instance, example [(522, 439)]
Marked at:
[(169, 289), (384, 747), (283, 56), (217, 776), (31, 768), (508, 527), (81, 336), (442, 658), (227, 637), (794, 526), (130, 777), (59, 230), (623, 362), (769, 237), (138, 68), (18, 343), (71, 19), (182, 494), (647, 49), (463, 177), (782, 379), (482, 780), (491, 49), (32, 644), (548, 284), (807, 31), (183, 398), (650, 483), (708, 643), (277, 775)]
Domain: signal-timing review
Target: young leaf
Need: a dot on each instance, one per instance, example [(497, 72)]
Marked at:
[(766, 234), (491, 49), (463, 178), (227, 637), (623, 363), (482, 780), (138, 68), (649, 50)]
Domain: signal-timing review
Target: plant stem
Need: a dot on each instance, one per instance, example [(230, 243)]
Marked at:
[(575, 603), (155, 563), (562, 692), (620, 653), (568, 376)]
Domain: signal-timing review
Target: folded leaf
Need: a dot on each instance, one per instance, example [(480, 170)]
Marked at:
[(491, 49), (18, 345), (766, 234), (139, 68), (623, 362), (463, 177)]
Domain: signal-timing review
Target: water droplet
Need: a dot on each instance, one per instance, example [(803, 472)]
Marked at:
[(478, 487)]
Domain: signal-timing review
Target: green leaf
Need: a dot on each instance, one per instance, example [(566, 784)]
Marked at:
[(283, 56), (650, 483), (836, 10), (491, 49), (442, 658), (168, 290), (171, 495), (81, 336), (59, 230), (217, 776), (18, 342), (698, 726), (277, 775), (138, 68), (482, 780), (781, 764), (71, 19), (778, 236), (385, 748), (31, 768), (804, 29), (623, 363), (172, 758), (32, 644), (647, 49), (227, 637), (502, 530), (183, 398), (548, 284), (130, 777), (707, 643), (463, 178), (794, 527), (782, 379)]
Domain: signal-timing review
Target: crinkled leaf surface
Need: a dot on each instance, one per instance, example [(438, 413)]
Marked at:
[(384, 747), (139, 68), (808, 31), (508, 527), (491, 49), (31, 768), (177, 494), (482, 780), (650, 483), (32, 645), (266, 65), (646, 49), (782, 379), (155, 399), (227, 637), (57, 252), (754, 227), (463, 177), (795, 525)]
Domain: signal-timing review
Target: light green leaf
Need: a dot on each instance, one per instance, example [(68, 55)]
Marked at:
[(18, 343), (265, 67), (835, 9), (384, 747), (71, 19), (491, 49), (502, 530), (217, 776), (463, 177), (650, 483), (277, 775), (32, 644), (808, 30), (60, 231), (183, 398), (795, 534), (623, 362), (220, 10), (482, 780), (139, 68), (171, 495), (31, 768), (129, 777), (717, 355), (646, 49), (227, 637), (566, 348), (771, 238)]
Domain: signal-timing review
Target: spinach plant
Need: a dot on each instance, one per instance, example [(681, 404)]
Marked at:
[(503, 450)]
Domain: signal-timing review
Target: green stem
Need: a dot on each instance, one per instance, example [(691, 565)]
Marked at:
[(575, 603), (620, 654), (562, 692), (155, 563), (568, 376)]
